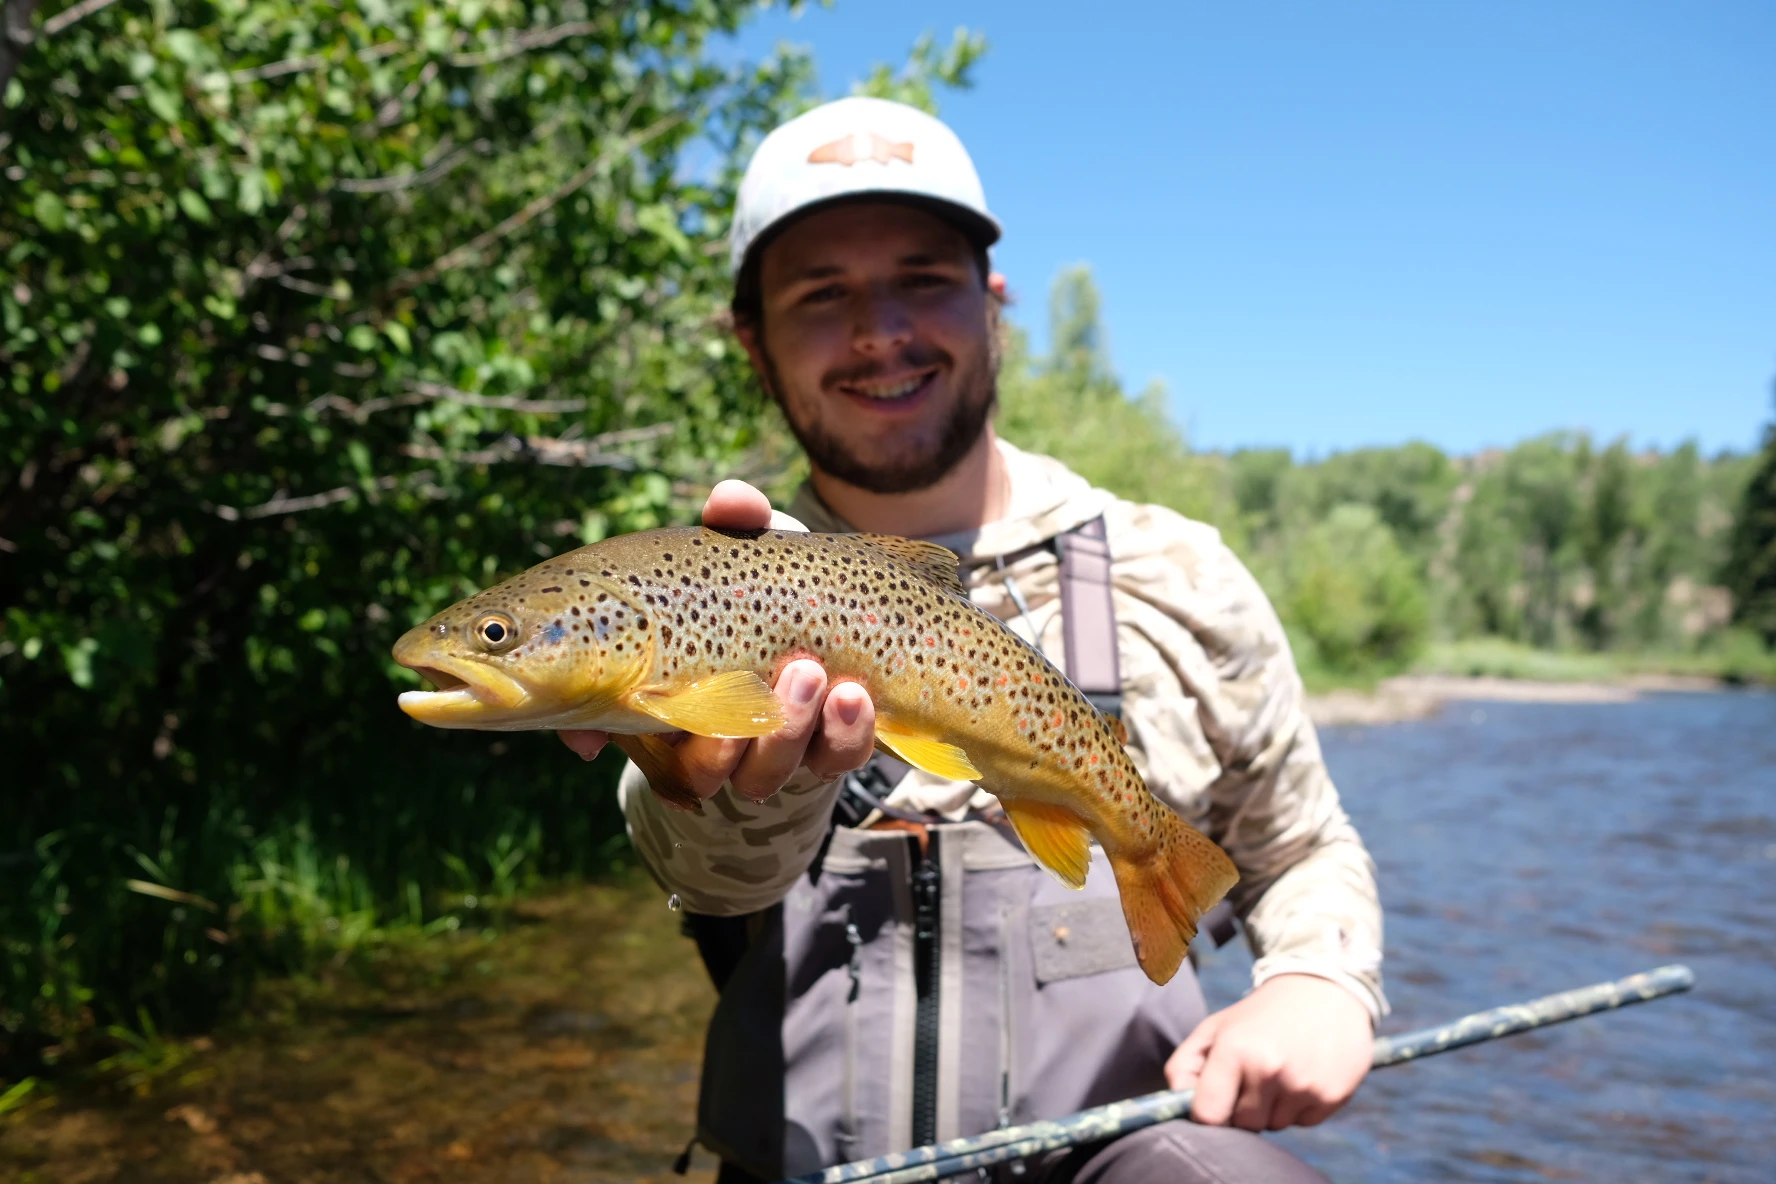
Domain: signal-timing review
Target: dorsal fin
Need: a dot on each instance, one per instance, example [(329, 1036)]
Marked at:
[(935, 563)]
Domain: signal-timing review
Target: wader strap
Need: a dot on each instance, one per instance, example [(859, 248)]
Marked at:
[(1088, 616)]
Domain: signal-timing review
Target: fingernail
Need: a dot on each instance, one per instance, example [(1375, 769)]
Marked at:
[(848, 705), (803, 686)]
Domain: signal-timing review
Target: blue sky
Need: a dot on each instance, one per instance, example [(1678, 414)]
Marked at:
[(1333, 225)]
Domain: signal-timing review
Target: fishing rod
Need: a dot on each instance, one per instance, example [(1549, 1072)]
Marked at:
[(940, 1161)]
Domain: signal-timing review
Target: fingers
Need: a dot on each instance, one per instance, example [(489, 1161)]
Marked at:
[(847, 732), (587, 743), (1257, 1098), (708, 762), (1217, 1089), (772, 760), (735, 505), (1290, 1108), (1185, 1064)]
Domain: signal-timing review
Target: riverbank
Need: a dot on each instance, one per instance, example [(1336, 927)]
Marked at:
[(1418, 696), (564, 1046), (1489, 670)]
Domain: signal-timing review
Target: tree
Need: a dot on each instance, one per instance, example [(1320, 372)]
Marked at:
[(1070, 405), (1353, 599), (1751, 564), (317, 318)]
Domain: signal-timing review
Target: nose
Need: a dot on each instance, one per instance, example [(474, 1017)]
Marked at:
[(881, 325)]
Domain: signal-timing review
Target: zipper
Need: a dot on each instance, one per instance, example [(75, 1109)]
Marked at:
[(847, 1136), (927, 901)]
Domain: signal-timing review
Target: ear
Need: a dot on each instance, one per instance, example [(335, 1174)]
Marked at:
[(747, 334), (997, 286)]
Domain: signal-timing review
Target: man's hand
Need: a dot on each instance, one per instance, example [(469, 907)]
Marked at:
[(1289, 1054), (830, 729)]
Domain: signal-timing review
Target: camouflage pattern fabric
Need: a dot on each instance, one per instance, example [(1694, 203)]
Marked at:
[(1216, 718)]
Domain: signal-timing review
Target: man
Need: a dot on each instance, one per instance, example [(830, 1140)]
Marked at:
[(915, 975)]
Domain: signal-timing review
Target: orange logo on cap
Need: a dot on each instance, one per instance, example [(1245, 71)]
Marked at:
[(848, 150)]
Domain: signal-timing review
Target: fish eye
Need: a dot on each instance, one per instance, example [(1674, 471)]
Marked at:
[(496, 631)]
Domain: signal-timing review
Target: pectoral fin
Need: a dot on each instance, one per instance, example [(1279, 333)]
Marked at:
[(735, 705), (1054, 837), (923, 752), (659, 763)]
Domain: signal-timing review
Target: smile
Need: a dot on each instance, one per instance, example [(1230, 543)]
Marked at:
[(902, 389)]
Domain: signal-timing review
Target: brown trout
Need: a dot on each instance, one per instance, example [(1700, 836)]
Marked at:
[(686, 630)]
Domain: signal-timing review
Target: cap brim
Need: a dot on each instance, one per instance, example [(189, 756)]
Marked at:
[(980, 230)]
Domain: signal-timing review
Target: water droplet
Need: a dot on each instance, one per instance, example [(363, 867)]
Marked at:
[(678, 846), (674, 903)]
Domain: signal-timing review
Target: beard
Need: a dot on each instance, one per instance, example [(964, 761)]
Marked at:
[(977, 393)]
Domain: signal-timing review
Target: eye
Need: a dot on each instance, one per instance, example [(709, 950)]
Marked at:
[(496, 631)]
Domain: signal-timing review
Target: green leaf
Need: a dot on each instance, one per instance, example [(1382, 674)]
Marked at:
[(397, 333), (362, 337), (78, 659), (49, 210), (195, 207)]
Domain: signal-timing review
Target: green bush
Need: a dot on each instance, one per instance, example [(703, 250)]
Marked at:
[(1354, 600), (316, 319)]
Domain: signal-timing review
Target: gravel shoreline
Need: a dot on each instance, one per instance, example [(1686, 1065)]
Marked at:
[(1416, 696)]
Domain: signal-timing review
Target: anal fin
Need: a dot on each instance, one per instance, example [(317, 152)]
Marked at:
[(734, 705), (937, 757), (659, 763), (1054, 836)]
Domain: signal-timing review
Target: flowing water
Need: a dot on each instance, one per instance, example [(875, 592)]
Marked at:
[(1527, 848), (1522, 849)]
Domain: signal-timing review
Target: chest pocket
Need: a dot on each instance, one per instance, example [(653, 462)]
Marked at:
[(1079, 937)]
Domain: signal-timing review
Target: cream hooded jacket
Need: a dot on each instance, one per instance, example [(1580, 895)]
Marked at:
[(1216, 721)]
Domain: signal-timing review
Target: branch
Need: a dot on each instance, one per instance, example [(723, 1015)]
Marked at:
[(277, 69), (68, 16), (16, 36), (523, 43), (549, 450), (460, 255), (316, 501), (423, 176), (427, 392)]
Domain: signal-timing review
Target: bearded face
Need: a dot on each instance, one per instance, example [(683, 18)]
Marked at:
[(878, 339)]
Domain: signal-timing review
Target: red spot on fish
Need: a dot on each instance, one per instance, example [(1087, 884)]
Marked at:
[(871, 618), (962, 684), (1094, 759), (931, 641)]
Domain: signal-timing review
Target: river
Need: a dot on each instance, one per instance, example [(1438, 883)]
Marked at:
[(1523, 848), (1526, 848)]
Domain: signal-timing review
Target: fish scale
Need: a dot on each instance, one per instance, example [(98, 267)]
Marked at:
[(686, 630)]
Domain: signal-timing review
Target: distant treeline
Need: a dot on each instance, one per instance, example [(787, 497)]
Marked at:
[(1369, 555)]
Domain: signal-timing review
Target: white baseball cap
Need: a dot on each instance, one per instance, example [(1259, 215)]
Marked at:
[(852, 148)]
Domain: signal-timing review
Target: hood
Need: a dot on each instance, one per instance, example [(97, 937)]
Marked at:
[(1047, 499)]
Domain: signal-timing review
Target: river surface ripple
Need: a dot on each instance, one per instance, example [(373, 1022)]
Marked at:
[(1527, 848)]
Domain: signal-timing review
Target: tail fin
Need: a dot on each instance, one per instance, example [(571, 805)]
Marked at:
[(1164, 895)]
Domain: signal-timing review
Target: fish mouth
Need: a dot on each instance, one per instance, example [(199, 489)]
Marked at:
[(467, 694)]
